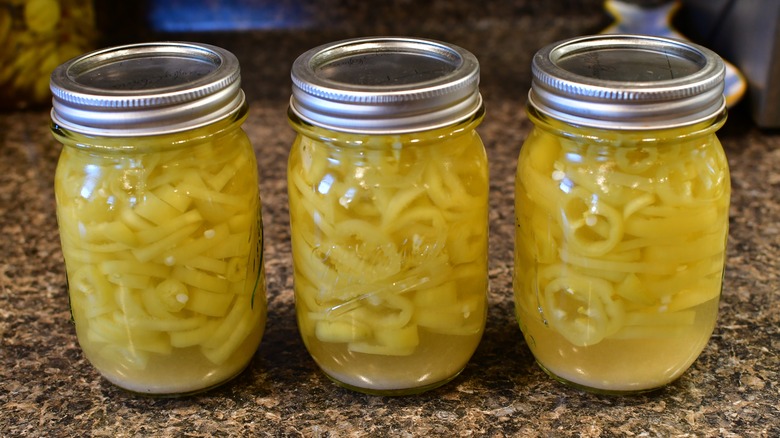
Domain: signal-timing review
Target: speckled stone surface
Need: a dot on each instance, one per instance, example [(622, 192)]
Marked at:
[(47, 388)]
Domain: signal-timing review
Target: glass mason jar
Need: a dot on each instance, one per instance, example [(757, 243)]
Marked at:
[(159, 215), (622, 202), (388, 193), (36, 36)]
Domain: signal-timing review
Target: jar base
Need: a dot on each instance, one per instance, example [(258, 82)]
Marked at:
[(598, 391), (178, 394), (397, 392)]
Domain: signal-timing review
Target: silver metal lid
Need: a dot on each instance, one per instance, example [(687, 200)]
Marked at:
[(627, 82), (146, 89), (385, 85)]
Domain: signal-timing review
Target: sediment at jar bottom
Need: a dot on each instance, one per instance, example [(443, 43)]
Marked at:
[(621, 365), (437, 360)]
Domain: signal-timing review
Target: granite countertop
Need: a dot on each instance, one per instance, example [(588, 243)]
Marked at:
[(47, 388)]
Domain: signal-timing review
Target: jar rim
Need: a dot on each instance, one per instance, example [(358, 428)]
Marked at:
[(663, 134), (358, 139)]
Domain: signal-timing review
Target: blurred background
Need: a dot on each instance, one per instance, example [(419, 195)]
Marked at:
[(267, 35)]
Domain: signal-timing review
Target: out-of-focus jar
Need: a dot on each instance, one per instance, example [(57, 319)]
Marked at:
[(35, 37), (159, 215), (388, 193), (622, 210)]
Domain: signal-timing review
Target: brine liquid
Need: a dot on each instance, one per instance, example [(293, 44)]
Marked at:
[(438, 359), (185, 371), (621, 365)]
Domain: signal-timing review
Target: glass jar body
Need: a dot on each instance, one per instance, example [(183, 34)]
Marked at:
[(162, 240), (619, 250), (389, 239)]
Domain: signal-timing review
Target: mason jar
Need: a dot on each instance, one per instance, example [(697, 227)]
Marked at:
[(622, 210), (388, 195), (159, 215), (36, 36)]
